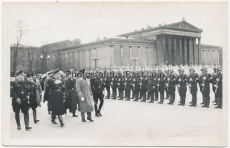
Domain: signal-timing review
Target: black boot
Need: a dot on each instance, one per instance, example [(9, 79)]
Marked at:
[(83, 117), (61, 120), (74, 113), (17, 118), (99, 112), (35, 116), (26, 120)]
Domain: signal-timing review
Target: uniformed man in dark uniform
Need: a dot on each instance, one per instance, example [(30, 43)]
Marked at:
[(107, 85), (161, 86), (46, 83), (144, 87), (214, 76), (182, 86), (193, 79), (71, 92), (152, 86), (20, 97), (114, 86), (32, 93), (205, 81), (167, 75), (171, 85), (218, 88), (98, 88), (128, 84), (121, 87), (135, 88)]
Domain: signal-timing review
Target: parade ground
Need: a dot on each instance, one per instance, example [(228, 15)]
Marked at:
[(129, 119)]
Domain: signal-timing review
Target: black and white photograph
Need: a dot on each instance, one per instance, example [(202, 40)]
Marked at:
[(115, 73)]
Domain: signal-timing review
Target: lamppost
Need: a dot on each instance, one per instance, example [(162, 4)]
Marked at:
[(95, 59), (44, 58), (135, 59)]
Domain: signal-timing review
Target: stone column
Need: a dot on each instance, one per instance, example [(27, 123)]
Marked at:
[(130, 54), (195, 59), (112, 55), (122, 60), (159, 52), (175, 50), (164, 50), (169, 50), (180, 49), (191, 51), (199, 52), (185, 51)]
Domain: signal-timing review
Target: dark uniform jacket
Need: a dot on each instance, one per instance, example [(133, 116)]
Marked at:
[(19, 90), (121, 85), (32, 91), (98, 85), (193, 80), (144, 85), (182, 81), (152, 84), (162, 84), (171, 80), (205, 81), (128, 85)]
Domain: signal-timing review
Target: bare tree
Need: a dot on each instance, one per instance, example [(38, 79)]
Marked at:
[(20, 31), (30, 57)]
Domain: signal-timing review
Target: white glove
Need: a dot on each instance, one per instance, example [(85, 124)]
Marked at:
[(19, 101), (82, 99)]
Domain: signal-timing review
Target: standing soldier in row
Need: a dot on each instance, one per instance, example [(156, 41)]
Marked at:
[(114, 87), (136, 88), (205, 81), (144, 87), (71, 92), (128, 85), (152, 86), (218, 88), (167, 75), (107, 85), (20, 97), (33, 102), (121, 87), (182, 86), (193, 79), (161, 86), (214, 76), (171, 86)]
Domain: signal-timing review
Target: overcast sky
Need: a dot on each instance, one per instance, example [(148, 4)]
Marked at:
[(52, 22)]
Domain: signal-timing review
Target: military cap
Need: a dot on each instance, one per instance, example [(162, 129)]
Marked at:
[(159, 70), (204, 68), (219, 69), (97, 70), (68, 72), (192, 69), (82, 71), (181, 70), (28, 75), (33, 74), (215, 68), (19, 72)]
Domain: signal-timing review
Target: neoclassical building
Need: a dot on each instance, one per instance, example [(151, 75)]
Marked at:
[(176, 44)]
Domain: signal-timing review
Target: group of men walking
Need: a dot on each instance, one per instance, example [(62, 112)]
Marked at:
[(78, 90)]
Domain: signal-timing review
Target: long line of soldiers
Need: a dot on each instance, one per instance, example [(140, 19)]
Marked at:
[(146, 85)]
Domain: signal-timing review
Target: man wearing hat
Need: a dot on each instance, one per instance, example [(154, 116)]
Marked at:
[(114, 86), (55, 92), (152, 87), (47, 83), (20, 97), (171, 86), (144, 87), (38, 88), (193, 79), (214, 76), (107, 84), (182, 86), (85, 96), (161, 85), (167, 75), (205, 81), (218, 86), (98, 86), (128, 84), (71, 92), (33, 101)]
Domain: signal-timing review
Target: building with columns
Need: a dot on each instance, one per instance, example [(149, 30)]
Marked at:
[(174, 44)]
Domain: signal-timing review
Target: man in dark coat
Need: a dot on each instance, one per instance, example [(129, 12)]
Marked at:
[(193, 79), (144, 87), (205, 81), (161, 86), (56, 92), (136, 88), (121, 87), (33, 98), (20, 97), (171, 86), (98, 88), (214, 76), (114, 87), (182, 86), (107, 85), (218, 86), (71, 92), (128, 84), (47, 83)]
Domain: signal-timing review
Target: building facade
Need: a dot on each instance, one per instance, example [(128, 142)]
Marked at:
[(174, 44)]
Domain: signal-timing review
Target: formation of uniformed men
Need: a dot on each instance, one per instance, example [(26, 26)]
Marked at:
[(77, 90)]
